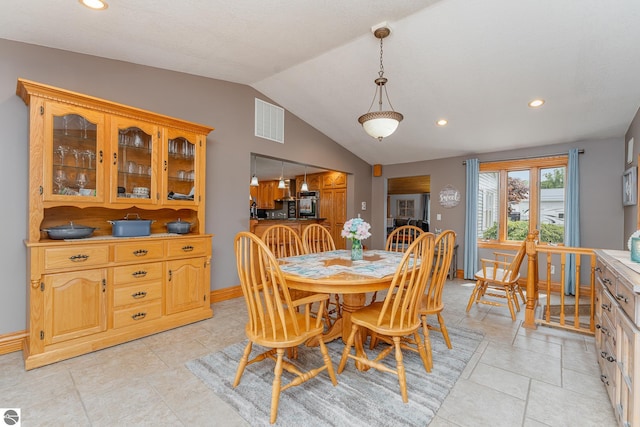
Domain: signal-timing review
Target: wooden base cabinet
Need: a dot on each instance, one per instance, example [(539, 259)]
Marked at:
[(618, 333), (92, 161)]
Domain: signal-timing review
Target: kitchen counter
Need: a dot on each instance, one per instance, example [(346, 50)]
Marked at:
[(257, 226)]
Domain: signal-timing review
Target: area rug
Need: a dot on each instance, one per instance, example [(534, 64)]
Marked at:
[(369, 398)]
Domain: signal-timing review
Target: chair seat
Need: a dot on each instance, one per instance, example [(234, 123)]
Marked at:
[(367, 317), (279, 340), (501, 275)]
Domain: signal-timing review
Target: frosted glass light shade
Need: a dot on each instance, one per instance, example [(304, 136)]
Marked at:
[(254, 181), (282, 184), (380, 124), (304, 187)]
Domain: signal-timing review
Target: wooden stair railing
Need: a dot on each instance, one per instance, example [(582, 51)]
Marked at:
[(566, 311)]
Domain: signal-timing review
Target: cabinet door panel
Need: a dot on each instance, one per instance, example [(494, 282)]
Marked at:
[(73, 153), (185, 285), (132, 161), (74, 305), (180, 168)]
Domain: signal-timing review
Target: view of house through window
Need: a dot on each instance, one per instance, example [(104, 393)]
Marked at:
[(406, 208), (514, 200)]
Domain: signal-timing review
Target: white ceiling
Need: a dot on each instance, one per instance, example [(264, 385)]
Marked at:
[(477, 63)]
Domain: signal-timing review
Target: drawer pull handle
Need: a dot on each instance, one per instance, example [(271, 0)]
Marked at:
[(139, 316), (598, 269), (604, 379), (598, 326), (606, 307), (611, 359), (139, 274), (607, 281), (139, 295), (140, 252), (187, 248), (79, 258), (622, 298)]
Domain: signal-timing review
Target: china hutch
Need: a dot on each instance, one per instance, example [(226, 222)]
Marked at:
[(93, 162)]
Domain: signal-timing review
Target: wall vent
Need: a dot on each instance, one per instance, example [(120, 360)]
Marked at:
[(269, 121)]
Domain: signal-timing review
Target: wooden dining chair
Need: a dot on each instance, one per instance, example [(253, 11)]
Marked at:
[(315, 239), (498, 278), (396, 317), (397, 241), (282, 241), (273, 321), (431, 301)]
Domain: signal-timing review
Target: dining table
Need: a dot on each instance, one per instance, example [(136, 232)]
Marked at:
[(334, 272)]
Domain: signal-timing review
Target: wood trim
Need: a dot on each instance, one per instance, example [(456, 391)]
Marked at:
[(220, 295), (12, 342)]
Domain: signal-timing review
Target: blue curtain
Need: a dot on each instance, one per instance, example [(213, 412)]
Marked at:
[(471, 220), (572, 220)]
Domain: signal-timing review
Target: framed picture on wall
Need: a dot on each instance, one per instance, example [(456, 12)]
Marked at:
[(629, 187)]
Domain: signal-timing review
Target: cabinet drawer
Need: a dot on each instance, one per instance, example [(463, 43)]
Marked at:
[(138, 251), (139, 293), (628, 300), (77, 256), (137, 273), (137, 314), (188, 247)]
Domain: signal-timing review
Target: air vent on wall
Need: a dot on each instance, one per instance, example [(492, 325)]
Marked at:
[(269, 121)]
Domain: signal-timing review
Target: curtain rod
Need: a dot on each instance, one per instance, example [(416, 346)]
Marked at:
[(580, 151)]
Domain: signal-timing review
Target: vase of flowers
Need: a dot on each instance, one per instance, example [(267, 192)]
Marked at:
[(356, 230)]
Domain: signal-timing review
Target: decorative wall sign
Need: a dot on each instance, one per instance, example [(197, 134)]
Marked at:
[(449, 196)]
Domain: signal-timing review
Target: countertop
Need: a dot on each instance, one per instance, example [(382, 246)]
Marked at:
[(287, 219)]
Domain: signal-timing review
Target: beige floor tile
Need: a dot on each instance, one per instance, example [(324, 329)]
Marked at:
[(473, 405), (523, 362), (557, 406), (501, 380)]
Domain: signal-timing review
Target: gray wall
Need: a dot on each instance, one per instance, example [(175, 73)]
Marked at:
[(600, 191), (228, 107), (631, 212)]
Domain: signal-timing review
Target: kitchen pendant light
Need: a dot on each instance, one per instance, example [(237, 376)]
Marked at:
[(254, 178), (281, 184), (304, 186), (380, 124)]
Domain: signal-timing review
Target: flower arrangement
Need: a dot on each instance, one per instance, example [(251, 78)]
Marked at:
[(356, 229)]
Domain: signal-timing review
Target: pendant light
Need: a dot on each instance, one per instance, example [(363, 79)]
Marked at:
[(281, 184), (254, 178), (380, 124), (304, 187)]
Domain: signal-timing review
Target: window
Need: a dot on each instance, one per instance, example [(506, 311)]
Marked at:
[(406, 208), (516, 197)]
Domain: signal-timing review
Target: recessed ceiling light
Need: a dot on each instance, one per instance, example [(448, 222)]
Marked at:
[(94, 4), (442, 122), (536, 103)]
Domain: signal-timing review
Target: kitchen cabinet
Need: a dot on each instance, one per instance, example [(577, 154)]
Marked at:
[(617, 332), (334, 180), (266, 195), (92, 161), (333, 207)]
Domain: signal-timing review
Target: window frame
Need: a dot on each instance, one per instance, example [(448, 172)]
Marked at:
[(404, 205), (533, 165)]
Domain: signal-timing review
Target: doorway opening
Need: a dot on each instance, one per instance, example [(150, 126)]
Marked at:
[(408, 202)]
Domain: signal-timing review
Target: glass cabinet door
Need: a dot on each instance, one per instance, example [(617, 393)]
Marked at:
[(180, 167), (73, 154), (134, 160)]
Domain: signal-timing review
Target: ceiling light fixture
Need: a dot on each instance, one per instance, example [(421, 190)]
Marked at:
[(536, 103), (380, 124), (254, 178), (442, 122), (94, 4), (281, 183), (304, 186)]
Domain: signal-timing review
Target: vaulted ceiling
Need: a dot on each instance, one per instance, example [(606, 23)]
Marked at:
[(475, 63)]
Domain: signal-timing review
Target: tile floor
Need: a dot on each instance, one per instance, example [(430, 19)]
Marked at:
[(517, 377)]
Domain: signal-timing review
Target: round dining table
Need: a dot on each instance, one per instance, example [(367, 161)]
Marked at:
[(334, 273)]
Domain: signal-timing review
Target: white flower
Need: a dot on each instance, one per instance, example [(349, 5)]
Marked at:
[(356, 229)]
